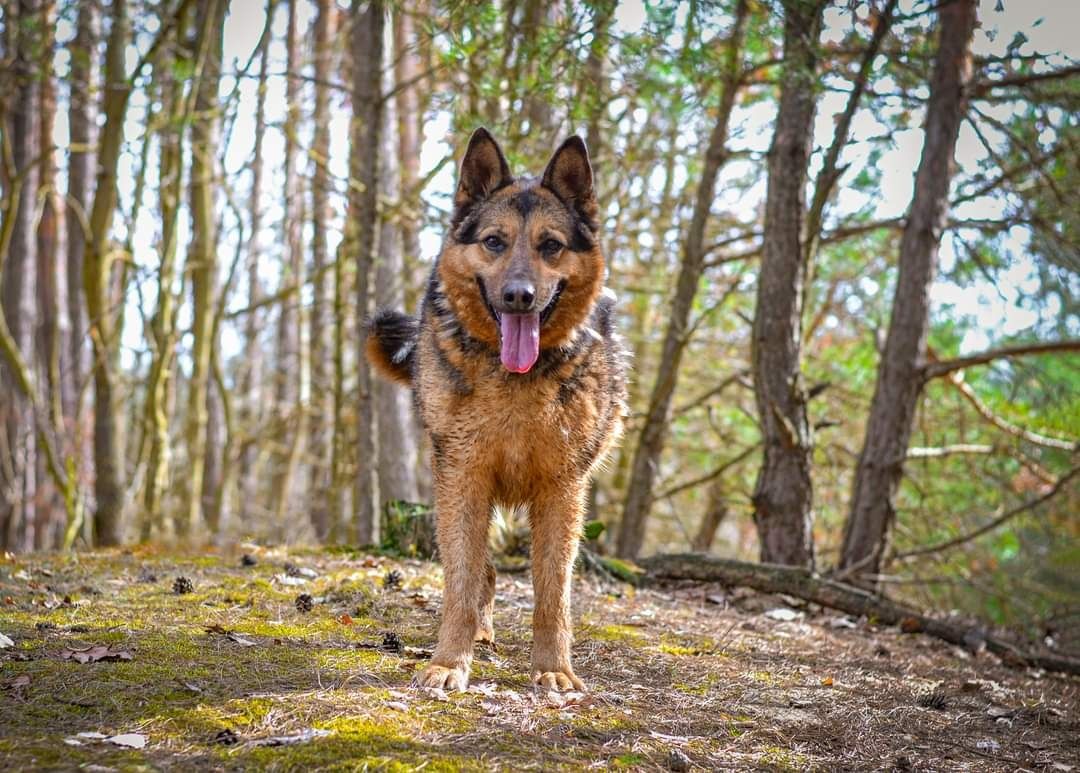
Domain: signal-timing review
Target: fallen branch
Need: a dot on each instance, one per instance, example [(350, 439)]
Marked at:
[(808, 586)]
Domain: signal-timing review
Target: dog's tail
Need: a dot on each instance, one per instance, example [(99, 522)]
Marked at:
[(391, 344)]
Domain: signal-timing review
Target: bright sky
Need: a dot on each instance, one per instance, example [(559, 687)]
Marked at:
[(994, 309)]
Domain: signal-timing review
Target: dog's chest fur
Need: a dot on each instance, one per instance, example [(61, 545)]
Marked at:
[(519, 435)]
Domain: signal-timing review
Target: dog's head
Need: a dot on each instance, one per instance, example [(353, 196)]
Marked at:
[(522, 266)]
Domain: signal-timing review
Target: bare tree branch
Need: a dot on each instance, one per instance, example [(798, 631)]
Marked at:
[(994, 522), (944, 367), (1008, 427), (943, 451), (1020, 81)]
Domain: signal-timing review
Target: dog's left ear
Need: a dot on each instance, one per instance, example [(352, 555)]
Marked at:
[(569, 176)]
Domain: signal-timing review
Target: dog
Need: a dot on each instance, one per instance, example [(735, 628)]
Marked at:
[(518, 376)]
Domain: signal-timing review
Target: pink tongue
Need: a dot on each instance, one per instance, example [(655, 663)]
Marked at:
[(520, 341)]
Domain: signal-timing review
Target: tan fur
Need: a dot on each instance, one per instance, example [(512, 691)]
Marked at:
[(502, 438)]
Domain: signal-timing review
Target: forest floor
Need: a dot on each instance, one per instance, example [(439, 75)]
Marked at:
[(109, 667)]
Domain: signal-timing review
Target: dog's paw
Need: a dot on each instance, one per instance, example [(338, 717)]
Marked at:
[(436, 677), (564, 680)]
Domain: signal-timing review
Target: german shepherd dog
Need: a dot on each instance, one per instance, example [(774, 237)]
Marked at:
[(518, 376)]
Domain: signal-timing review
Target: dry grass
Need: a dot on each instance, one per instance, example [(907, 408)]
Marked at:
[(676, 675)]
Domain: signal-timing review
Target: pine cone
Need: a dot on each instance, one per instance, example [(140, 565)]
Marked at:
[(392, 580)]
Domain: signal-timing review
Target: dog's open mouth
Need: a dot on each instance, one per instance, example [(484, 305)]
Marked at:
[(519, 334)]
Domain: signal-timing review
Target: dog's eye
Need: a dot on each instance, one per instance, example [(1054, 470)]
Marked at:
[(551, 247), (494, 244)]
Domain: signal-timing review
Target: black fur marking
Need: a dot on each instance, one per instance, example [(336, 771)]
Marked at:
[(572, 385), (465, 211), (525, 202), (461, 385), (396, 334), (582, 240)]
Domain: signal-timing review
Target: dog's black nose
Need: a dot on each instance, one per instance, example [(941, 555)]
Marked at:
[(518, 296)]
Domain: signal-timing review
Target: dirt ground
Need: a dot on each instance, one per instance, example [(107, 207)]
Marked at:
[(146, 660)]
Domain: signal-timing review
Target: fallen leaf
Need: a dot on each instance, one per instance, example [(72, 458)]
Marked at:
[(94, 654), (130, 740), (5, 642), (911, 625), (188, 686), (827, 682), (241, 640), (345, 619), (288, 740), (285, 579), (396, 706), (783, 614)]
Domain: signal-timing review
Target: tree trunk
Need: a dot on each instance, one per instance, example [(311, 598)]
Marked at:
[(163, 324), (367, 43), (290, 410), (82, 129), (17, 293), (321, 405), (251, 388), (202, 253), (716, 511), (397, 448), (408, 66), (783, 495), (109, 472), (900, 375), (653, 432), (53, 330)]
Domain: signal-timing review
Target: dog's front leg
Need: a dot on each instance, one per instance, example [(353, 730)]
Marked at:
[(463, 514), (556, 527)]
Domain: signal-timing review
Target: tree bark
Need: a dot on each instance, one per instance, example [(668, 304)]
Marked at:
[(321, 365), (202, 254), (408, 66), (289, 430), (654, 430), (251, 384), (17, 292), (53, 330), (900, 372), (716, 512), (368, 21), (163, 324), (783, 493), (82, 130), (397, 448)]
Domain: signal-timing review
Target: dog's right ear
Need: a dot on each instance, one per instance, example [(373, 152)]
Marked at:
[(483, 170)]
